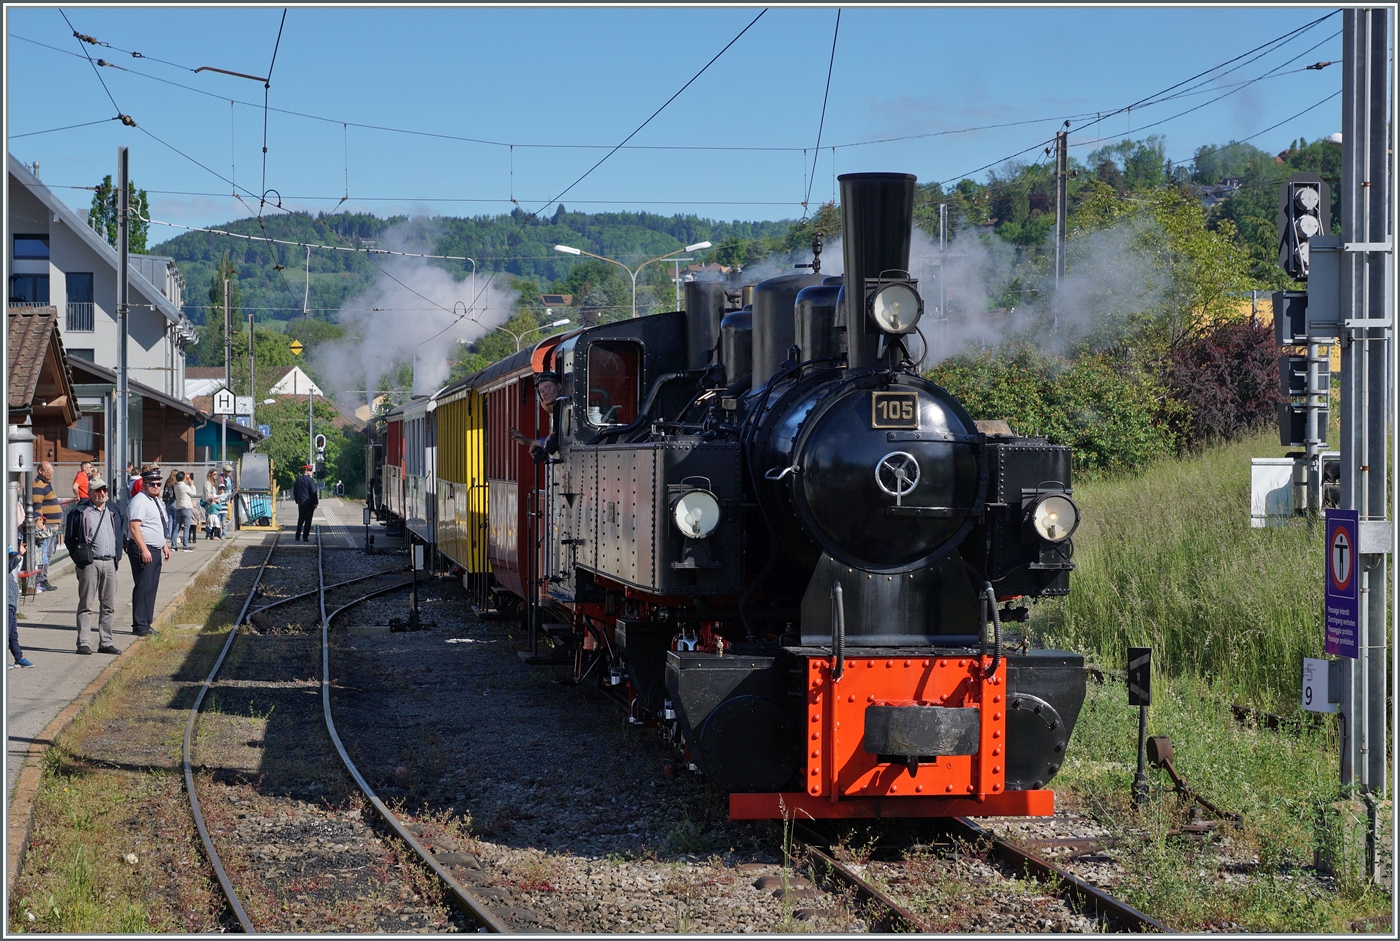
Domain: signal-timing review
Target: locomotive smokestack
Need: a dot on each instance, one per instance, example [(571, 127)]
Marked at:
[(877, 219)]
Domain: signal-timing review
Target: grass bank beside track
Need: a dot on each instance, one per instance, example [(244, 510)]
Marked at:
[(113, 849), (1168, 560)]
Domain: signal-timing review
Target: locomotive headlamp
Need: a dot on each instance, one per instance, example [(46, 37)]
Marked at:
[(696, 513), (1054, 517), (896, 308)]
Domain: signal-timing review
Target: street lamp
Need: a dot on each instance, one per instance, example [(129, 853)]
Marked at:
[(520, 337), (570, 250)]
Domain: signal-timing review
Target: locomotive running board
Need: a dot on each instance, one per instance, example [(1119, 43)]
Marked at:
[(780, 806)]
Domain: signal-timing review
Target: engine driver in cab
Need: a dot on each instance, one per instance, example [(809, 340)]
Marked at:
[(547, 391)]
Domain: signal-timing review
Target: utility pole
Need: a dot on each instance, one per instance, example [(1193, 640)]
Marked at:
[(943, 274), (228, 373), (123, 392), (1061, 210), (310, 419), (252, 392), (1366, 273)]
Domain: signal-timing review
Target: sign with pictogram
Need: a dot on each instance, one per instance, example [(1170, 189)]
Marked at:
[(224, 401), (1139, 676), (1343, 595), (296, 347)]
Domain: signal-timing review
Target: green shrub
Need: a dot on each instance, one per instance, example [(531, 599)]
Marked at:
[(1109, 411)]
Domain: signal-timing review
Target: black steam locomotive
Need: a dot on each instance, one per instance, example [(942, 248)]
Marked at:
[(772, 534)]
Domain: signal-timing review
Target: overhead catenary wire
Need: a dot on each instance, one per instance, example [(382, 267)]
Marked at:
[(267, 91), (67, 127), (81, 39), (1079, 233), (659, 147), (526, 217), (1157, 97), (1150, 99), (826, 95)]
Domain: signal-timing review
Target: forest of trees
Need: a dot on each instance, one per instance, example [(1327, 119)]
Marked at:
[(1207, 229)]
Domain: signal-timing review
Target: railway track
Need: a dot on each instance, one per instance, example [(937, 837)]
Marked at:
[(890, 910), (313, 611)]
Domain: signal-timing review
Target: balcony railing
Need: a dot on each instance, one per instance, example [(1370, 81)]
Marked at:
[(80, 317)]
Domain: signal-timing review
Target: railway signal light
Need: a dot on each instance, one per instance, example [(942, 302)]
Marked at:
[(1304, 212)]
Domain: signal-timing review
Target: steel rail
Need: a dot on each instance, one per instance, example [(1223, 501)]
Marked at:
[(314, 591), (1066, 883), (210, 853), (867, 891), (470, 904)]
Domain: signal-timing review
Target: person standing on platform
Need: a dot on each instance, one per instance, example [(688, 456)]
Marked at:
[(146, 547), (80, 482), (48, 519), (305, 495), (185, 496), (16, 556), (98, 524)]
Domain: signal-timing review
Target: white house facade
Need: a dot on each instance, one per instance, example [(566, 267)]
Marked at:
[(53, 257)]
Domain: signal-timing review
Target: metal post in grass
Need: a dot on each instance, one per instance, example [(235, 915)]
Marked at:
[(1366, 311), (1140, 695)]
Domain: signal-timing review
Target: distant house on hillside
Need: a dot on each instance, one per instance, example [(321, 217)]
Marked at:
[(557, 300), (713, 271)]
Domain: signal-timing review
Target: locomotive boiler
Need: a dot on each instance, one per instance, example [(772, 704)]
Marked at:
[(772, 537)]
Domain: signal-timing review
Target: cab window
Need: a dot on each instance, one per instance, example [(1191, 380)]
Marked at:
[(614, 382)]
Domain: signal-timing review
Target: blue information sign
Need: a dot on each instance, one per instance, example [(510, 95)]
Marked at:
[(1343, 595), (265, 430)]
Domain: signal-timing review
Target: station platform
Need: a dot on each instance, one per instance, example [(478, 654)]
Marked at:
[(40, 701), (48, 630)]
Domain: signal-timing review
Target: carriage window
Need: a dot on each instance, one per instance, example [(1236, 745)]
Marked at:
[(614, 382)]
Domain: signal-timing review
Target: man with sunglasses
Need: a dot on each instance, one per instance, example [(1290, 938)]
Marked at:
[(147, 547)]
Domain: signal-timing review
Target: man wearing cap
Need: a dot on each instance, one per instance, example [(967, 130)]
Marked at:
[(305, 495), (147, 548), (101, 530), (547, 391)]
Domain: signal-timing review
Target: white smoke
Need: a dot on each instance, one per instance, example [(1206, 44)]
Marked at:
[(413, 313), (1109, 278)]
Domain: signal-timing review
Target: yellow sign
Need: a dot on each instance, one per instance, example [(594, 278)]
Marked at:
[(297, 347)]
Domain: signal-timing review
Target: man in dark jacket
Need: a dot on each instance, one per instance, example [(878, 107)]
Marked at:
[(305, 495), (98, 524)]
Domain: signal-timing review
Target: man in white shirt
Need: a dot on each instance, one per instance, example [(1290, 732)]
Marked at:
[(146, 548)]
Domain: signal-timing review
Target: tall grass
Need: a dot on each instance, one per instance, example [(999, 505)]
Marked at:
[(1168, 560)]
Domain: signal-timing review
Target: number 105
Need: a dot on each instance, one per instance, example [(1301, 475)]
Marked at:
[(895, 410)]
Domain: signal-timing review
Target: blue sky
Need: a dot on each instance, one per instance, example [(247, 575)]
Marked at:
[(589, 76)]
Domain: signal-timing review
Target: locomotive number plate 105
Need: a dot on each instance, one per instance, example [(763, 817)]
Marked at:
[(894, 410)]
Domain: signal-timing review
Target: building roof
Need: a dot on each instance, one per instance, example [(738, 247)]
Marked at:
[(94, 373), (295, 382), (36, 351), (96, 242), (204, 372)]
